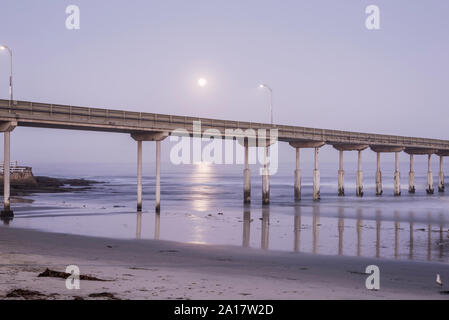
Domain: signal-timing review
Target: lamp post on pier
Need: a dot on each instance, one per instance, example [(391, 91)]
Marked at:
[(271, 100)]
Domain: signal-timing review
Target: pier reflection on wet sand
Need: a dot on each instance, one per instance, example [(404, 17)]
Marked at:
[(364, 236)]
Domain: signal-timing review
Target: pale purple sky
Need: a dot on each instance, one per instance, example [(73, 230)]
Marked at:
[(326, 69)]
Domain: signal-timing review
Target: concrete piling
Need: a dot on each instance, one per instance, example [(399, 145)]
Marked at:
[(359, 179), (429, 188), (316, 178), (397, 176), (158, 177), (139, 176), (246, 176), (441, 176), (341, 175), (7, 127), (6, 176), (265, 179), (297, 177), (411, 176), (379, 190), (316, 172), (149, 136)]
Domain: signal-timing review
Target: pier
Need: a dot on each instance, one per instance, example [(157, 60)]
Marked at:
[(153, 127)]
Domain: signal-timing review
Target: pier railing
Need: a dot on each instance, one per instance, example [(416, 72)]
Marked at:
[(83, 118)]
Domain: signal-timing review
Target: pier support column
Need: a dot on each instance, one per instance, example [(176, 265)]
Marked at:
[(341, 176), (158, 176), (265, 179), (441, 176), (411, 176), (149, 136), (6, 212), (139, 176), (316, 172), (359, 179), (379, 190), (316, 178), (429, 188), (6, 128), (397, 176), (297, 177), (246, 176)]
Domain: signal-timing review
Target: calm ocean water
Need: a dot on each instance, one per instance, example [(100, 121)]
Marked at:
[(203, 204)]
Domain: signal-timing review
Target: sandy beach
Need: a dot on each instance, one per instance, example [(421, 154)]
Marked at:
[(149, 269)]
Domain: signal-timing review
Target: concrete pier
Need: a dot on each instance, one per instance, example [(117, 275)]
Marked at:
[(429, 188), (397, 176), (316, 177), (411, 176), (149, 136), (246, 176), (139, 176), (297, 177), (155, 127), (341, 175), (265, 179), (6, 128), (359, 179), (379, 190), (441, 176)]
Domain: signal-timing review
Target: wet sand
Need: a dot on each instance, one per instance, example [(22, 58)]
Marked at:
[(150, 269)]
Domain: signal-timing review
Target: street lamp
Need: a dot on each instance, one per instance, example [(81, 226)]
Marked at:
[(3, 47), (271, 99)]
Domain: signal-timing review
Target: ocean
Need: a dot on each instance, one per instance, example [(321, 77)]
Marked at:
[(204, 204)]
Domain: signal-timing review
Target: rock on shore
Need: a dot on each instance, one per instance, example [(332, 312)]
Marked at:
[(50, 185)]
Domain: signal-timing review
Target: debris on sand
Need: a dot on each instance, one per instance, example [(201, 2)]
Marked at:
[(168, 251), (357, 272), (107, 295), (26, 294), (65, 275)]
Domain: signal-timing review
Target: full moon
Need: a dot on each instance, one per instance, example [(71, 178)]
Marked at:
[(202, 82)]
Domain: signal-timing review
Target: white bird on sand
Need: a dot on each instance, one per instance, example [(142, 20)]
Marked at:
[(438, 281)]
